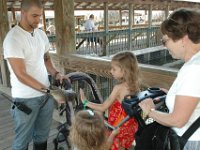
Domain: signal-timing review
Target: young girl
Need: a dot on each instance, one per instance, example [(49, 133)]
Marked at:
[(88, 132), (124, 68)]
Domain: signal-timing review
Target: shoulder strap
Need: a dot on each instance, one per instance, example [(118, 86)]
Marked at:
[(191, 129)]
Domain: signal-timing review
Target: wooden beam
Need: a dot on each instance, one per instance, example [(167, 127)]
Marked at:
[(77, 4), (3, 31), (65, 29), (69, 27), (44, 21), (87, 5), (149, 24), (151, 75), (58, 8), (3, 22), (96, 5), (138, 5), (130, 23), (127, 1), (13, 15), (106, 28), (167, 11)]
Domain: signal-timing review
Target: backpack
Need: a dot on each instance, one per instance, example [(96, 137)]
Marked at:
[(155, 136), (158, 137)]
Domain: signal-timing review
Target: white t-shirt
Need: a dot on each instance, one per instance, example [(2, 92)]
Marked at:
[(21, 44), (89, 25), (187, 83)]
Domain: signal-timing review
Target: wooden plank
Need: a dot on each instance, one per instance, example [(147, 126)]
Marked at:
[(7, 128), (114, 4), (151, 75), (79, 44), (65, 29), (3, 30), (3, 22)]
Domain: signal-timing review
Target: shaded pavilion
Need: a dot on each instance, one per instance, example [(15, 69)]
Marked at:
[(65, 58)]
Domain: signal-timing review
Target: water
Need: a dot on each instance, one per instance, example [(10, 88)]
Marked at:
[(160, 58)]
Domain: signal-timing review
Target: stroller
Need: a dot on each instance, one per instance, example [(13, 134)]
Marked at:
[(73, 104)]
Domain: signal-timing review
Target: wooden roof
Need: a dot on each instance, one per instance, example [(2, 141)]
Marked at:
[(116, 4)]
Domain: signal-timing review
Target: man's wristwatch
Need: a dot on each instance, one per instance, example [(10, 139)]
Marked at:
[(47, 91)]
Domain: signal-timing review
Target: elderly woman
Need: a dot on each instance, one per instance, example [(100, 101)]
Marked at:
[(181, 35)]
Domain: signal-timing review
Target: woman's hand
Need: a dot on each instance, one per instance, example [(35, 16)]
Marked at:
[(164, 90), (146, 106), (82, 95)]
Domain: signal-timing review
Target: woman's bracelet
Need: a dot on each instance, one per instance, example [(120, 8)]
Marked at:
[(84, 104)]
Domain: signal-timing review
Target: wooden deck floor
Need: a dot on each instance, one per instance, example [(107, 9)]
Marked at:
[(7, 132)]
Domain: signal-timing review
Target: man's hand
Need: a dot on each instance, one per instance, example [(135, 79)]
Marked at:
[(58, 94), (61, 77)]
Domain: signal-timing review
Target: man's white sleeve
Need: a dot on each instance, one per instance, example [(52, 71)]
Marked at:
[(12, 49)]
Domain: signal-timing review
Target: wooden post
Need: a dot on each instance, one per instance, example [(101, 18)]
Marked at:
[(149, 24), (14, 17), (120, 18), (65, 26), (167, 11), (130, 26), (3, 31), (150, 16), (105, 47), (44, 21), (133, 23)]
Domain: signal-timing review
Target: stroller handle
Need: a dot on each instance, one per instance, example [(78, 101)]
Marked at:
[(158, 102), (80, 76)]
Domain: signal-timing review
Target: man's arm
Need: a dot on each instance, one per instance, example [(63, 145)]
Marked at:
[(50, 68), (19, 69)]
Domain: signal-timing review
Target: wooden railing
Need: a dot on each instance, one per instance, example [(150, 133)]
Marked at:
[(4, 73), (113, 41), (100, 28), (116, 27), (152, 76)]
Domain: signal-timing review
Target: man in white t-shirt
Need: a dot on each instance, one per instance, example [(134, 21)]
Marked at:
[(26, 51)]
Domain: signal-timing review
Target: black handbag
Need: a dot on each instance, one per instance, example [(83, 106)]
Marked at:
[(155, 136)]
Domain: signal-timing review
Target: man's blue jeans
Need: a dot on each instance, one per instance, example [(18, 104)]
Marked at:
[(34, 126)]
